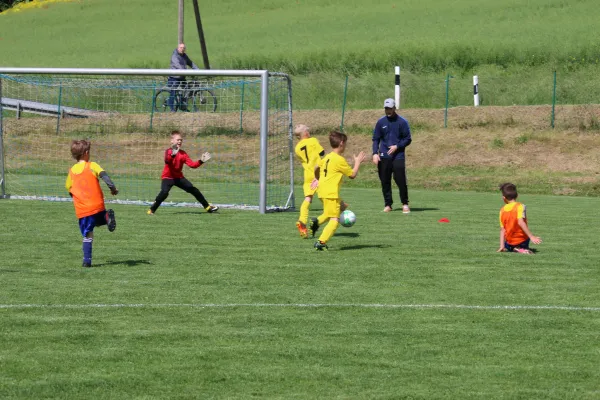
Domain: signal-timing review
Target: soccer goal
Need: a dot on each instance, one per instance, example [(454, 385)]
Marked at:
[(243, 118)]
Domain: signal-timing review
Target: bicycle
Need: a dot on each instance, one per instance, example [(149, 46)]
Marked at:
[(192, 96)]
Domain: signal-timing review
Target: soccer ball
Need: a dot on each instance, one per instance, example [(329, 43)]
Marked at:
[(347, 218)]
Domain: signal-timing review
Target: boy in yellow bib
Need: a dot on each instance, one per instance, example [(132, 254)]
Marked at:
[(328, 179), (309, 151)]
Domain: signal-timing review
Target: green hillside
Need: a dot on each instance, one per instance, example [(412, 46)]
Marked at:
[(320, 41)]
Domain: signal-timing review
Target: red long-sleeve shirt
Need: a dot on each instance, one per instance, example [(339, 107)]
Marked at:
[(174, 165)]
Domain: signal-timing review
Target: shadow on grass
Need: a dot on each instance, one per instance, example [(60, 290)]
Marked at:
[(365, 246), (347, 234), (416, 209), (193, 212), (128, 263)]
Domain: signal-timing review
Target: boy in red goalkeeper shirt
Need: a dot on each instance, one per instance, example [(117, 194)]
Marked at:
[(514, 231), (88, 199), (172, 174)]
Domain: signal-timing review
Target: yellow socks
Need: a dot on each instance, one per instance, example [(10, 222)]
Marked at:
[(304, 212), (329, 230)]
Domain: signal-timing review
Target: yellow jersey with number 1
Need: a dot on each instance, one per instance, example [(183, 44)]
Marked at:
[(333, 167)]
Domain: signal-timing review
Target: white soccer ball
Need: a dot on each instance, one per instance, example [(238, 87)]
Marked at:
[(348, 218)]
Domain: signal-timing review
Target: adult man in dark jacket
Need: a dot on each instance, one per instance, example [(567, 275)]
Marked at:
[(179, 60), (390, 138)]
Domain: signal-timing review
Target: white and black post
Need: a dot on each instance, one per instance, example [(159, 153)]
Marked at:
[(476, 90), (397, 88)]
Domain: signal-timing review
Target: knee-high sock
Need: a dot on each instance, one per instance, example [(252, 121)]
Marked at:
[(87, 250), (328, 231), (304, 212), (321, 219)]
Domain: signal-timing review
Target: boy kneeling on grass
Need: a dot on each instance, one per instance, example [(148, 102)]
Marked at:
[(514, 231)]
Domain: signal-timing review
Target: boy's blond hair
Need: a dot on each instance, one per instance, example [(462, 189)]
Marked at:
[(79, 148), (300, 130)]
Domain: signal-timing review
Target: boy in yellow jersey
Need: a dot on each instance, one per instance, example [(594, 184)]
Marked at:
[(514, 231), (88, 199), (310, 152), (328, 178)]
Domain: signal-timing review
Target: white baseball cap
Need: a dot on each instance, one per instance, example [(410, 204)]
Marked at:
[(389, 103)]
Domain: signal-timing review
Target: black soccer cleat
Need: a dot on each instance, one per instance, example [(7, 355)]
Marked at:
[(320, 246), (87, 265), (111, 221), (314, 226)]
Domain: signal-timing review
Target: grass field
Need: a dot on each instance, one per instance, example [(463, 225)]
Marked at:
[(511, 45), (190, 305)]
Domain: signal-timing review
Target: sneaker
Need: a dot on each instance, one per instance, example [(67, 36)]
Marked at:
[(314, 226), (344, 206), (211, 209), (405, 209), (387, 209), (87, 265), (111, 221), (319, 246), (302, 229), (523, 251), (149, 212)]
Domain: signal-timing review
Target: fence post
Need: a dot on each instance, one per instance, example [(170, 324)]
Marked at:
[(344, 104), (242, 106), (153, 105), (476, 90), (447, 100), (58, 113), (553, 101), (397, 88)]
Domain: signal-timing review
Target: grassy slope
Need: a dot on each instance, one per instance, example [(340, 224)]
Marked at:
[(295, 33), (320, 41)]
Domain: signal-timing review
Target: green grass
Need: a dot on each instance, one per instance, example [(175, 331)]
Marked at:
[(186, 304), (511, 45)]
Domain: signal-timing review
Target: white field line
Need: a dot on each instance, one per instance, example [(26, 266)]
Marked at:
[(301, 305)]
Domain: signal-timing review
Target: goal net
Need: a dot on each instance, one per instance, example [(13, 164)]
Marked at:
[(243, 118)]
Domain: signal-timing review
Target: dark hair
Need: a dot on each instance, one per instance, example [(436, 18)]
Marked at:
[(509, 191), (79, 148), (336, 138), (175, 132)]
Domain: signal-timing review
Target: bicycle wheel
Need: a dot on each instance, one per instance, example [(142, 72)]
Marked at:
[(203, 100), (160, 101)]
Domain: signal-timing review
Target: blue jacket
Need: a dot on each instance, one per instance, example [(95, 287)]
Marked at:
[(180, 61), (389, 132)]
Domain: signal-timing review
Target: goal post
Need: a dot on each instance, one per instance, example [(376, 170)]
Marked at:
[(242, 117)]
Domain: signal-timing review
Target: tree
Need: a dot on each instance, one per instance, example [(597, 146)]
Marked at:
[(6, 4)]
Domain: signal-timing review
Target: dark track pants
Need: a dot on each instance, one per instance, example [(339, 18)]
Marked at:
[(386, 168), (183, 184)]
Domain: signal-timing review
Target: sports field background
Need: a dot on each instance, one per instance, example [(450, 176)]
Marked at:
[(187, 304)]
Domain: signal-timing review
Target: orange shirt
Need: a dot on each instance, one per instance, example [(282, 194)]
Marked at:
[(509, 220), (83, 184)]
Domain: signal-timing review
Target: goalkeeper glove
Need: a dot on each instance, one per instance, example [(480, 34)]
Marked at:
[(205, 157), (175, 150)]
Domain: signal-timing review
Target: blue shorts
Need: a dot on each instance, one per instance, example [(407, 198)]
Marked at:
[(524, 245), (87, 224)]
